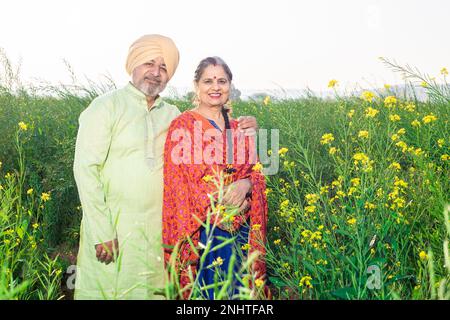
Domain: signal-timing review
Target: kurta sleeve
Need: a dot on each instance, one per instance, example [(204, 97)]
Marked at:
[(91, 151)]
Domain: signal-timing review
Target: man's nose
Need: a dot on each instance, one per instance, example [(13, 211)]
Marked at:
[(155, 71)]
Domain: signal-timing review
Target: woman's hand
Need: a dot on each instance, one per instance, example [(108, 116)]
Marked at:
[(248, 125), (236, 193)]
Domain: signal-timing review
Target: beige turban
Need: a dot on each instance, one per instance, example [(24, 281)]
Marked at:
[(149, 47)]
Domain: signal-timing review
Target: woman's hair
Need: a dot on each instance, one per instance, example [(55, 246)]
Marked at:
[(211, 61), (215, 61)]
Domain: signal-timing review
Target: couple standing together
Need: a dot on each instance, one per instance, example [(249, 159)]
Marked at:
[(150, 206)]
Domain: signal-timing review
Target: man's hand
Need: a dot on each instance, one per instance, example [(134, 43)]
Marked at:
[(107, 251), (245, 206), (236, 192), (248, 125)]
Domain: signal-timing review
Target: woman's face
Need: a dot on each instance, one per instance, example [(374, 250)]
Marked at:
[(213, 88)]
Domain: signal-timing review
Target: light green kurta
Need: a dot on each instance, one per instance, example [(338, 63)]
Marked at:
[(118, 169)]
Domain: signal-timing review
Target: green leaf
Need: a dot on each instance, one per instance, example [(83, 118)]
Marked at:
[(20, 232), (346, 293), (278, 282)]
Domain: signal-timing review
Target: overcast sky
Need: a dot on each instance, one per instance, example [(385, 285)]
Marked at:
[(267, 43)]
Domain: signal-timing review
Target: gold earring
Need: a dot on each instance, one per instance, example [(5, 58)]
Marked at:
[(196, 100)]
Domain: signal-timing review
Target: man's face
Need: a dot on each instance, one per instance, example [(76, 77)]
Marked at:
[(151, 77)]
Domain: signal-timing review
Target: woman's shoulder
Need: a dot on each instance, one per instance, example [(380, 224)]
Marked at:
[(183, 120)]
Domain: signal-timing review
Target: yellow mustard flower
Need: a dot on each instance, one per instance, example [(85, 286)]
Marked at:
[(332, 83), (256, 227), (444, 71), (30, 191), (363, 134), (45, 196), (306, 282), (266, 100), (423, 255), (368, 96), (395, 165), (429, 118), (351, 113), (355, 182), (418, 151), (415, 123), (410, 107), (23, 126), (400, 183), (283, 151), (324, 190), (394, 117), (312, 198), (217, 262), (327, 138), (371, 112), (340, 194), (369, 205), (444, 157), (332, 150), (257, 167), (403, 145), (351, 221), (390, 100), (441, 142), (360, 157), (207, 178), (259, 283)]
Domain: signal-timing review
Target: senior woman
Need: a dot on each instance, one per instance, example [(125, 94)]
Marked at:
[(202, 145)]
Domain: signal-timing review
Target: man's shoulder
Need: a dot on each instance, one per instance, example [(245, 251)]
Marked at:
[(105, 101), (170, 110), (109, 96)]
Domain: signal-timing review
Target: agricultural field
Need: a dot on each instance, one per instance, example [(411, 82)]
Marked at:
[(358, 209)]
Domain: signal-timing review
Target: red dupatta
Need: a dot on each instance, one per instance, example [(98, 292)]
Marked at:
[(186, 191)]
